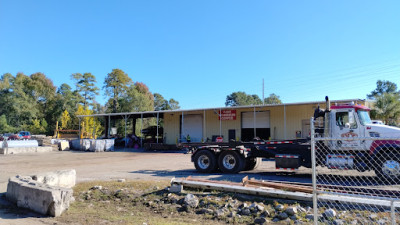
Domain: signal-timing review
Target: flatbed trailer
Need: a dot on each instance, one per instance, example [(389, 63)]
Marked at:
[(351, 141), (233, 157)]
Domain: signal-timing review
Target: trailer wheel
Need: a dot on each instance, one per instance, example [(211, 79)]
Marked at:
[(252, 163), (388, 169), (230, 162), (205, 161)]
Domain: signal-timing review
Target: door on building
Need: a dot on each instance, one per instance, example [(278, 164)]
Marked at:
[(260, 122), (192, 126), (232, 135), (305, 129)]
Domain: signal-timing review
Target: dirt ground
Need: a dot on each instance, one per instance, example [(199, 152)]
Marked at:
[(127, 163)]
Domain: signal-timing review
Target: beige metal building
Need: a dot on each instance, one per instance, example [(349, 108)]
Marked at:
[(283, 121)]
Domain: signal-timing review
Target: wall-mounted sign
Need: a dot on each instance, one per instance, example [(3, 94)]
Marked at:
[(227, 115)]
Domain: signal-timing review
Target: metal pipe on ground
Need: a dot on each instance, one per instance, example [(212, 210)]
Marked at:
[(261, 190), (239, 188)]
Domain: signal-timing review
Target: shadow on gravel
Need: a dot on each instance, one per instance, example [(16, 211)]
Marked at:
[(9, 211)]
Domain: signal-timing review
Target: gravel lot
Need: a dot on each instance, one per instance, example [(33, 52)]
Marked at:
[(130, 164)]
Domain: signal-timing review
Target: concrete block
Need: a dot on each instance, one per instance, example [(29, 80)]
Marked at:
[(109, 144), (97, 145), (41, 198), (85, 144), (61, 178), (63, 145), (176, 188), (75, 144)]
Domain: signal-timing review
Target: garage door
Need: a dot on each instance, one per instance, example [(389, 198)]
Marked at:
[(260, 122), (192, 125), (262, 119)]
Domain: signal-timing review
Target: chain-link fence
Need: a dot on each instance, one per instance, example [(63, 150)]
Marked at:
[(356, 178)]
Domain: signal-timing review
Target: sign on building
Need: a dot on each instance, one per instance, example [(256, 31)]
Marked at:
[(227, 115)]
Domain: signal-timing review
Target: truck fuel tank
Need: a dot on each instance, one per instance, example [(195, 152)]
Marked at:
[(343, 162)]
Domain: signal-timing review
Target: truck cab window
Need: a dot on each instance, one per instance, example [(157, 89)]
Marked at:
[(343, 117)]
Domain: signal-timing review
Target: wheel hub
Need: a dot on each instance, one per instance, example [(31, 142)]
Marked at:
[(229, 162), (204, 162), (391, 168)]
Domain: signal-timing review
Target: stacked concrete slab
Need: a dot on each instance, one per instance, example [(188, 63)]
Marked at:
[(47, 194)]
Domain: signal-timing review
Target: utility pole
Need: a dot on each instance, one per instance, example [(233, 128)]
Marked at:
[(263, 99)]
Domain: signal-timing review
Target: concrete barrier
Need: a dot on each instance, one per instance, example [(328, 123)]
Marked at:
[(97, 145), (22, 150), (109, 145), (93, 145), (63, 145), (75, 144), (20, 143), (38, 194)]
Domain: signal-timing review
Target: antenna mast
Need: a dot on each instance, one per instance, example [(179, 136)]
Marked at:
[(263, 99)]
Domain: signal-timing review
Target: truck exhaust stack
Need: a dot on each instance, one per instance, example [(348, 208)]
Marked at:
[(328, 104)]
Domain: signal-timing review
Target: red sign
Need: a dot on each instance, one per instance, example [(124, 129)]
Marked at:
[(227, 115), (219, 139)]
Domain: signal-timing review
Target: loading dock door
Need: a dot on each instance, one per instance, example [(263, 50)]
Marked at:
[(262, 125), (192, 125)]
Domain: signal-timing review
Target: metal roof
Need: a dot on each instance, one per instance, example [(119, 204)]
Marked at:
[(217, 108)]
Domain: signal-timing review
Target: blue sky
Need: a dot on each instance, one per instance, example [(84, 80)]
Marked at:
[(198, 52)]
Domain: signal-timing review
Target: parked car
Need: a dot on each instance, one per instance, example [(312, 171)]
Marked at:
[(10, 136), (24, 134)]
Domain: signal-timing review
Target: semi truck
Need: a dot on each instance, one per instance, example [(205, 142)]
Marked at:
[(347, 140)]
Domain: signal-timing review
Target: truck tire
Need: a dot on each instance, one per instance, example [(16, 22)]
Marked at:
[(205, 161), (388, 168), (252, 163), (231, 162)]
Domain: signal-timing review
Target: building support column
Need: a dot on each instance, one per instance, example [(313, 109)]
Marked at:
[(109, 126), (204, 126), (126, 142), (220, 123), (182, 135), (158, 116), (284, 122), (254, 121), (141, 133), (79, 127)]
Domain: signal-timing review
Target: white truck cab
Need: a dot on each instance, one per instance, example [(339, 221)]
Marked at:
[(353, 122), (353, 141)]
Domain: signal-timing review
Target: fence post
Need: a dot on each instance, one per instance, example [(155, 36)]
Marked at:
[(314, 172), (392, 212)]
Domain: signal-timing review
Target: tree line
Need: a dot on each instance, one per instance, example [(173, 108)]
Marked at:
[(35, 104)]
